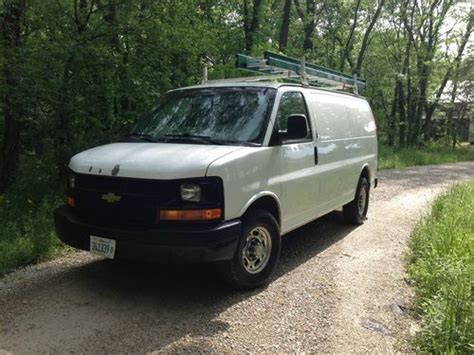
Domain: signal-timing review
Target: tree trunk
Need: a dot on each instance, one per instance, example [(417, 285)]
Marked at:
[(12, 37), (401, 116), (392, 117), (365, 41), (407, 19), (348, 46), (63, 117), (420, 103), (285, 25), (430, 108), (411, 106), (403, 120), (429, 33), (82, 14), (246, 15), (251, 25), (309, 26)]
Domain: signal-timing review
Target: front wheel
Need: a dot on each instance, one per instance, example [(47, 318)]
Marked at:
[(257, 253), (355, 212)]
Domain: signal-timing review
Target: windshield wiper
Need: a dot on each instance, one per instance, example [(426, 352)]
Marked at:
[(196, 138), (143, 137)]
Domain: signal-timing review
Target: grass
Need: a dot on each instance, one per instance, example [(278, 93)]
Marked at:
[(442, 267), (27, 232), (27, 237), (392, 158)]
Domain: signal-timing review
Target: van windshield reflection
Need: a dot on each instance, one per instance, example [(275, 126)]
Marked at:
[(218, 115)]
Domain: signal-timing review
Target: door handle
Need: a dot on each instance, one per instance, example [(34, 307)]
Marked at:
[(316, 160)]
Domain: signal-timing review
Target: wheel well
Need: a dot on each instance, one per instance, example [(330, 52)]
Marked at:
[(365, 173), (269, 204)]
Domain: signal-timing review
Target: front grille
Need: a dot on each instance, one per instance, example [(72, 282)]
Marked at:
[(139, 203)]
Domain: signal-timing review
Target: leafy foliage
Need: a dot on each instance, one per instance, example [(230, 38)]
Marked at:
[(27, 234), (442, 266), (78, 73)]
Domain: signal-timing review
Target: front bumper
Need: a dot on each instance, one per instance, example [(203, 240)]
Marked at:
[(191, 243)]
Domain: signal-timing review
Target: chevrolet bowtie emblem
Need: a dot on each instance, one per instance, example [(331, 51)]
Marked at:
[(110, 197)]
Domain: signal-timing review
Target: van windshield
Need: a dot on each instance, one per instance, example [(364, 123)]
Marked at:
[(230, 115)]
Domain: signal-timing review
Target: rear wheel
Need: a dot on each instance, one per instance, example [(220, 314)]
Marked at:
[(257, 253), (355, 212)]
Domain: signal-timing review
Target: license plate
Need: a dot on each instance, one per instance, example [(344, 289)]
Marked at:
[(102, 246)]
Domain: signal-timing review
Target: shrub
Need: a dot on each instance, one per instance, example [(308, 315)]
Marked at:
[(26, 216)]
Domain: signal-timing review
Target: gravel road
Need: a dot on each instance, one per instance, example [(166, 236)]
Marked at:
[(337, 289)]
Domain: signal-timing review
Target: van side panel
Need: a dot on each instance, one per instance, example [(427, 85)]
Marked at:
[(335, 149)]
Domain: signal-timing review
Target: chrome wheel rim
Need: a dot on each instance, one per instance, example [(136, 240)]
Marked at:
[(256, 250), (362, 200)]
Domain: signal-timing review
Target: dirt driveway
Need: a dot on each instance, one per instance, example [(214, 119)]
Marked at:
[(337, 289)]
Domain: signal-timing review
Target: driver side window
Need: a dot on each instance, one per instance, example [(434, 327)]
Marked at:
[(291, 103)]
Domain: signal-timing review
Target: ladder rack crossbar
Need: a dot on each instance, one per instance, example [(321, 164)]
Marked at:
[(283, 67)]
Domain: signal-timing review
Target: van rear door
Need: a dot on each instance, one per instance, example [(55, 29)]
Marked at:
[(363, 147)]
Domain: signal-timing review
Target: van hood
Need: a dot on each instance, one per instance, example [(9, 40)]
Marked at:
[(149, 160)]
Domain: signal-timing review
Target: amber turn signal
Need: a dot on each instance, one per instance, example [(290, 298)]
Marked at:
[(70, 201), (191, 215)]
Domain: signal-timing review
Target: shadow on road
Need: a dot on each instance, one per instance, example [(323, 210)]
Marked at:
[(176, 280), (145, 307)]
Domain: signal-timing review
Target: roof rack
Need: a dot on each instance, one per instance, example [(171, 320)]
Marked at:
[(273, 66)]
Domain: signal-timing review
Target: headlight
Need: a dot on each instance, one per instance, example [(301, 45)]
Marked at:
[(190, 192), (71, 181)]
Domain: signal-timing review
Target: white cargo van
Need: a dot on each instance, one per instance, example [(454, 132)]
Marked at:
[(219, 173)]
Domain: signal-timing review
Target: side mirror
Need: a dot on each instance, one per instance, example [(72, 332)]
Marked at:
[(297, 127)]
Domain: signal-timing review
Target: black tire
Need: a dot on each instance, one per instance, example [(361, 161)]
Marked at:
[(256, 224), (355, 212)]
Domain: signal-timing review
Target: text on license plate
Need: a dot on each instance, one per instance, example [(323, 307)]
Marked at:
[(102, 246)]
